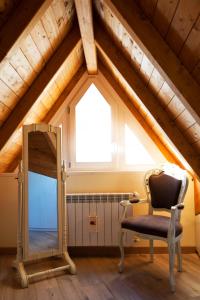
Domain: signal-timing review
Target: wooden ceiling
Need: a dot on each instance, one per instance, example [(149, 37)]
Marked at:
[(149, 49)]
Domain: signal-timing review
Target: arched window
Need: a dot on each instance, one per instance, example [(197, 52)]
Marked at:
[(104, 135)]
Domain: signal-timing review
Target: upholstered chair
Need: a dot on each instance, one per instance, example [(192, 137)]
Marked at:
[(165, 191)]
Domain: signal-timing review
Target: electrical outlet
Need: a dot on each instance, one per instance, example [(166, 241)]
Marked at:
[(93, 223)]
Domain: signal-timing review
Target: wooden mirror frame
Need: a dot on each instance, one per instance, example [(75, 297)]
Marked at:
[(23, 254)]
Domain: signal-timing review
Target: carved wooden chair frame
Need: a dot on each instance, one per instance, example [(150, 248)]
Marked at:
[(175, 212)]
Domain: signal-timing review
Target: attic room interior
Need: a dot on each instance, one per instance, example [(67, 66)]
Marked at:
[(99, 131)]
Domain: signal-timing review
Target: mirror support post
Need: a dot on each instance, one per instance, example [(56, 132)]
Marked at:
[(18, 263), (72, 267)]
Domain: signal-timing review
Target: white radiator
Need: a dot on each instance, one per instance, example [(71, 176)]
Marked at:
[(93, 219)]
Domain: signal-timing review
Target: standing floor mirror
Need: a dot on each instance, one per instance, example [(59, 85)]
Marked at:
[(42, 206)]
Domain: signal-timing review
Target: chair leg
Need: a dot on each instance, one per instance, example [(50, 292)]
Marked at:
[(121, 247), (179, 256), (171, 247), (151, 250)]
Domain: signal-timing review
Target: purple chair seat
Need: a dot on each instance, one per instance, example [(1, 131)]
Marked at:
[(151, 224)]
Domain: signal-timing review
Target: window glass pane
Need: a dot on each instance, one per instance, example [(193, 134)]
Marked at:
[(93, 128), (135, 152)]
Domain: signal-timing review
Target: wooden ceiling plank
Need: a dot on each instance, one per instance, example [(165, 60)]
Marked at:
[(84, 13), (149, 7), (51, 27), (196, 72), (7, 96), (190, 52), (42, 41), (164, 14), (39, 84), (130, 105), (32, 53), (159, 53), (183, 21), (105, 45), (22, 66), (12, 79), (18, 27)]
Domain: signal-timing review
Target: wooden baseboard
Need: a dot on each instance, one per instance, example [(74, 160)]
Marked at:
[(8, 250), (92, 251)]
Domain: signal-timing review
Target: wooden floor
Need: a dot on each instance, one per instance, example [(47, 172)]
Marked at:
[(98, 279)]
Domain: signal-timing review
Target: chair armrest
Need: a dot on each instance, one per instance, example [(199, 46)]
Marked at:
[(129, 202), (178, 206), (175, 215)]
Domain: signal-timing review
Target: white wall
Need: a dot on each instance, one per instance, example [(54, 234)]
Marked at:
[(89, 182), (8, 210)]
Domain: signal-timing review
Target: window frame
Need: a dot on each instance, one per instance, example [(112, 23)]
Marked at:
[(119, 113)]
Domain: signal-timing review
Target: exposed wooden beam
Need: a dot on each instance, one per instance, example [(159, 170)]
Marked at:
[(39, 84), (114, 54), (159, 53), (20, 23), (84, 13), (55, 108), (130, 105)]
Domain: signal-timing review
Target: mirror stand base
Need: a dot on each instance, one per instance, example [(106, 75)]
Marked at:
[(24, 277), (72, 267)]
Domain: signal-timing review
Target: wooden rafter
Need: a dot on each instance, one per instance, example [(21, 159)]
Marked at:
[(114, 54), (39, 84), (55, 108), (130, 105), (20, 23), (84, 13), (159, 53)]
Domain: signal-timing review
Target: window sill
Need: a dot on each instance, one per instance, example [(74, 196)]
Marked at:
[(136, 169)]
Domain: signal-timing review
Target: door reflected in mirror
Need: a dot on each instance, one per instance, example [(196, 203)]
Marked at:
[(42, 192)]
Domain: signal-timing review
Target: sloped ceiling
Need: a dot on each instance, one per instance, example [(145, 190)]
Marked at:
[(149, 49)]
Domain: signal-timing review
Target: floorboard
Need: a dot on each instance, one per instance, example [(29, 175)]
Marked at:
[(98, 279)]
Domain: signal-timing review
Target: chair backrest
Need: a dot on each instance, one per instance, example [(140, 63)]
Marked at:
[(165, 189)]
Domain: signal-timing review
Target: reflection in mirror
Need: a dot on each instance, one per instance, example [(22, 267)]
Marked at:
[(42, 192)]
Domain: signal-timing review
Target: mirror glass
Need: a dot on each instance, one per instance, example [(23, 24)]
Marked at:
[(42, 192)]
